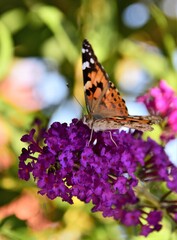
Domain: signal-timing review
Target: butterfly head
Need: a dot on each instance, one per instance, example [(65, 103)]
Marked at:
[(88, 120)]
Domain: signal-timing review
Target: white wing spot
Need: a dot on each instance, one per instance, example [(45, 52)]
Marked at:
[(86, 44), (85, 65), (83, 50), (91, 60)]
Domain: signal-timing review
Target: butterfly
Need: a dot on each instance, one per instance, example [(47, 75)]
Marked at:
[(106, 108)]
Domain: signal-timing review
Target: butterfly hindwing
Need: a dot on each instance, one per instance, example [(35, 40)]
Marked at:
[(141, 123)]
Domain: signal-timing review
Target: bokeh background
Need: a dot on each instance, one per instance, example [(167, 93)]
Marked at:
[(41, 76)]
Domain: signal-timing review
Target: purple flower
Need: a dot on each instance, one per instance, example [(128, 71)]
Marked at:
[(131, 217), (65, 164), (153, 220), (162, 100)]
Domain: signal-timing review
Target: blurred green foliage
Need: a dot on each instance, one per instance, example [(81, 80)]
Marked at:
[(55, 30)]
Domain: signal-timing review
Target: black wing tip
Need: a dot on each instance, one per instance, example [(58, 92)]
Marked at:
[(88, 46), (85, 40), (86, 43)]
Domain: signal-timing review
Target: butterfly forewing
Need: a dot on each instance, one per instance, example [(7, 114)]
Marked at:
[(102, 97)]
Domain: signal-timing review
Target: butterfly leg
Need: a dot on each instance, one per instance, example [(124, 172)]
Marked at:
[(91, 135), (112, 139)]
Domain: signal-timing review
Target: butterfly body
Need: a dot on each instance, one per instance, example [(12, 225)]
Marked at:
[(106, 108)]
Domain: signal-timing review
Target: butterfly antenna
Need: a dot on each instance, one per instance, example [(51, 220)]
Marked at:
[(91, 135), (76, 99)]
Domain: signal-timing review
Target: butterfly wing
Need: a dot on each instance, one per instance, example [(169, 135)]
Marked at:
[(102, 97), (141, 123)]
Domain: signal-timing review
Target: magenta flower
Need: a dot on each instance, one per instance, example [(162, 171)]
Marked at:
[(162, 100), (64, 164)]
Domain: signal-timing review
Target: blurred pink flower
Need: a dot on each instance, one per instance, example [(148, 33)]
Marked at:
[(27, 207), (162, 100), (18, 87)]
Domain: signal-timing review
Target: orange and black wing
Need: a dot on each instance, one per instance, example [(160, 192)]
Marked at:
[(102, 97)]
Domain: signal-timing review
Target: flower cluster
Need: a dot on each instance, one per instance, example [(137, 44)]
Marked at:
[(65, 163), (162, 100)]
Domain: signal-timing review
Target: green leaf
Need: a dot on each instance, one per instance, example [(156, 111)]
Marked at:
[(53, 18), (6, 49)]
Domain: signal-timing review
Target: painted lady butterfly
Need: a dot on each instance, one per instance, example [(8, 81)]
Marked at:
[(106, 108)]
